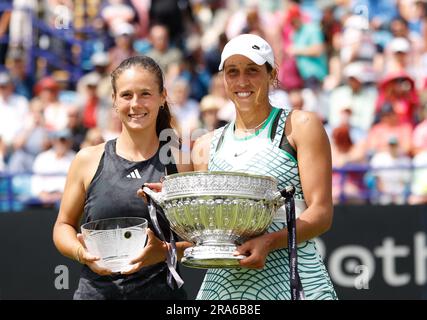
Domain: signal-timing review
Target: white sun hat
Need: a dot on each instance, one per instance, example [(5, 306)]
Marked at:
[(251, 46)]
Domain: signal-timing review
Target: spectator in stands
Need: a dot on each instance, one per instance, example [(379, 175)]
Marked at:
[(391, 167), (66, 93), (354, 43), (141, 9), (358, 93), (113, 126), (289, 75), (116, 12), (92, 138), (193, 68), (398, 90), (399, 28), (21, 27), (400, 57), (212, 56), (123, 37), (357, 43), (13, 109), (30, 141), (100, 62), (357, 135), (382, 11), (217, 89), (212, 17), (308, 46), (254, 24), (176, 16), (47, 95), (23, 81), (296, 100), (347, 151), (51, 167), (184, 109), (388, 127), (209, 107), (58, 18), (162, 51), (95, 108), (76, 127), (399, 50), (331, 29)]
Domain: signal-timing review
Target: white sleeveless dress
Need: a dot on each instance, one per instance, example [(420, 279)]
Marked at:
[(260, 154)]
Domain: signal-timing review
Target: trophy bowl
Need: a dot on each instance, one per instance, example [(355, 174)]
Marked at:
[(217, 211), (115, 240)]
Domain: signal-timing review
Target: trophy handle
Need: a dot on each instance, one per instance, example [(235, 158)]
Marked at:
[(157, 197), (287, 192), (282, 195)]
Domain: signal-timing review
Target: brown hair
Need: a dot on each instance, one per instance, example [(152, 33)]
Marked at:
[(342, 139), (164, 117)]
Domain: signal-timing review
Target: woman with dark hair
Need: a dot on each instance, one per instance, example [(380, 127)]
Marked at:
[(290, 146), (103, 180)]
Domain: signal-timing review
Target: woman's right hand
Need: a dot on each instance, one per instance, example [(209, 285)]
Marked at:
[(90, 260)]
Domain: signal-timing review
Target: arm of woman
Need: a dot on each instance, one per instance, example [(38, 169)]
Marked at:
[(65, 229), (200, 152), (156, 250), (306, 133)]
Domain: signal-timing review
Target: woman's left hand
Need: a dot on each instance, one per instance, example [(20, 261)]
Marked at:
[(155, 186), (154, 252), (256, 252)]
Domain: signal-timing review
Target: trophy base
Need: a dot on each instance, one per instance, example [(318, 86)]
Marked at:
[(211, 256)]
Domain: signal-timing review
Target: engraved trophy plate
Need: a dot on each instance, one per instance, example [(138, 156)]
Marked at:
[(217, 211)]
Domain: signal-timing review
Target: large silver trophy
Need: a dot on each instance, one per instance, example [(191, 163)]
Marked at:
[(217, 211)]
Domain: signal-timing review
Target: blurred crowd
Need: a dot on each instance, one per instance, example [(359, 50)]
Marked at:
[(360, 65)]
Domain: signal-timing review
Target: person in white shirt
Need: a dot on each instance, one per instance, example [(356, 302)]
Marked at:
[(392, 170), (13, 109), (50, 168)]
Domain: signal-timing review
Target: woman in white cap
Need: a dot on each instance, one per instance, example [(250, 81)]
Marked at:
[(290, 146)]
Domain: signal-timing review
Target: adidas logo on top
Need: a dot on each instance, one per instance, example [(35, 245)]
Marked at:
[(134, 175)]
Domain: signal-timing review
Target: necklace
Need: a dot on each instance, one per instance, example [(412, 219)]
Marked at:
[(254, 128)]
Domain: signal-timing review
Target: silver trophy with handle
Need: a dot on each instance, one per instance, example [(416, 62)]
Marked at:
[(217, 211)]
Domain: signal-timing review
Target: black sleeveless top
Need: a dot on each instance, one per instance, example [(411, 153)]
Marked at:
[(112, 193)]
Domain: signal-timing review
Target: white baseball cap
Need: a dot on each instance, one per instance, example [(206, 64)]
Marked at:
[(123, 29), (400, 45), (100, 58), (360, 70), (251, 46)]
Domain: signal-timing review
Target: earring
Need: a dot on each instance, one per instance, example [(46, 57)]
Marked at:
[(162, 107)]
